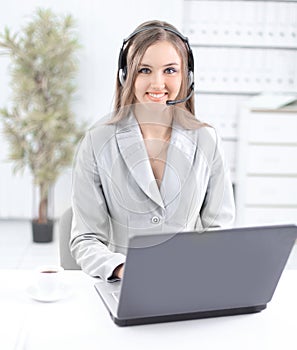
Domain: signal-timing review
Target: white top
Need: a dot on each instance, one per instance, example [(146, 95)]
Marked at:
[(81, 321), (115, 194)]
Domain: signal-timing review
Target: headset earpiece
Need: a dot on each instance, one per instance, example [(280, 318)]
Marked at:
[(122, 75), (190, 79)]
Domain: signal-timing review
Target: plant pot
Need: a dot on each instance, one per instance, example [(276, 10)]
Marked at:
[(42, 233)]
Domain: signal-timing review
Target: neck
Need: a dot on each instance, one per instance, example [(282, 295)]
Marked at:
[(154, 120)]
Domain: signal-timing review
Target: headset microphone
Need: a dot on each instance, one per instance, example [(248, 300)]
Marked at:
[(174, 102)]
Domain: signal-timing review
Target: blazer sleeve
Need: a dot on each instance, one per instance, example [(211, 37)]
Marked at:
[(218, 209), (90, 230)]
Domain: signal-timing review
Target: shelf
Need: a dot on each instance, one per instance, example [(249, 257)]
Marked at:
[(205, 92), (292, 1), (234, 46)]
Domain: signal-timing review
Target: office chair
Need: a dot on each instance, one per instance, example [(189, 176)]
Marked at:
[(66, 259)]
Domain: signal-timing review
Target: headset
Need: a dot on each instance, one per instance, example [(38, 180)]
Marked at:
[(122, 64)]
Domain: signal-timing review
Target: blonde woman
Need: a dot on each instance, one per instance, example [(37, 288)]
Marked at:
[(153, 167)]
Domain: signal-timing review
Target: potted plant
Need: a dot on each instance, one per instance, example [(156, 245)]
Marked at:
[(39, 124)]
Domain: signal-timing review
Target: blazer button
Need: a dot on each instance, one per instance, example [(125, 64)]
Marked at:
[(155, 219)]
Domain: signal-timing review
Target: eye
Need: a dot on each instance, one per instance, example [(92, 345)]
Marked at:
[(170, 70), (144, 70)]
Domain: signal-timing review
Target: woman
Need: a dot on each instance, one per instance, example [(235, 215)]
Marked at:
[(153, 167)]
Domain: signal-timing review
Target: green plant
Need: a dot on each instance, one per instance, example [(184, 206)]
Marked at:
[(39, 124)]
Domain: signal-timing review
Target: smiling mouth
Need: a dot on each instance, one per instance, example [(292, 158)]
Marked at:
[(157, 96)]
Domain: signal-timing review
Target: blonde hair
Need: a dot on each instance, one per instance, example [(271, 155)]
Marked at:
[(134, 52)]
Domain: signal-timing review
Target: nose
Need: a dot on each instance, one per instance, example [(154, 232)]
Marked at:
[(157, 81)]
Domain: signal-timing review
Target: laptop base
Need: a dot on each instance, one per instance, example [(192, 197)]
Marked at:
[(187, 316)]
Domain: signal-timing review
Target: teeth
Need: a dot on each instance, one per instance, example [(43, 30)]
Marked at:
[(156, 95)]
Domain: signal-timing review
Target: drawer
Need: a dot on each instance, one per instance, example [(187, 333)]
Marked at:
[(270, 216), (264, 159), (271, 191), (272, 128)]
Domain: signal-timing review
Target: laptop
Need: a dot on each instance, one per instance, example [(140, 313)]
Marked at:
[(189, 275)]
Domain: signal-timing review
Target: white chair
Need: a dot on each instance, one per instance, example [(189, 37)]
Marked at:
[(66, 259)]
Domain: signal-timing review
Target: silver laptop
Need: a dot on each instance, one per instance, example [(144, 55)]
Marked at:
[(188, 275)]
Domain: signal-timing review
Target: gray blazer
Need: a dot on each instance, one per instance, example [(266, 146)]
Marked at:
[(115, 195)]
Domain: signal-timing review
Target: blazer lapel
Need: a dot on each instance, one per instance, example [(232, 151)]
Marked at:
[(134, 153), (179, 163)]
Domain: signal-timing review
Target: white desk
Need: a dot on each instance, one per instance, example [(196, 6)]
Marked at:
[(81, 321)]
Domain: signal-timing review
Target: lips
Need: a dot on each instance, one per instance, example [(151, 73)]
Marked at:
[(157, 96)]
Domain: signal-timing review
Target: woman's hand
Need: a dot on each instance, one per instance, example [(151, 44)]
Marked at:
[(118, 272)]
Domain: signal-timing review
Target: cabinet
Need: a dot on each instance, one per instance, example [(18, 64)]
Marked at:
[(266, 191), (241, 48)]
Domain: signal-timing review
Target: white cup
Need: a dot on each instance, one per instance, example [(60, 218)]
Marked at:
[(49, 279)]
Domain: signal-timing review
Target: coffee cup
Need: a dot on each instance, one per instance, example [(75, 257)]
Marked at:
[(49, 279)]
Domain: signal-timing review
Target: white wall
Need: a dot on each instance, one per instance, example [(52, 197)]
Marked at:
[(102, 27)]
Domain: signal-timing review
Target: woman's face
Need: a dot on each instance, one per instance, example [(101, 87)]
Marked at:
[(159, 74)]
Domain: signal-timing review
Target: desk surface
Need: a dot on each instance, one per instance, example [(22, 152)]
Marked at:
[(81, 321)]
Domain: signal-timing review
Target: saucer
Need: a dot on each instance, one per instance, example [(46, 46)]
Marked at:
[(34, 293)]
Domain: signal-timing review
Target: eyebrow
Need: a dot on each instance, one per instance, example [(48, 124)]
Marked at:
[(166, 65)]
